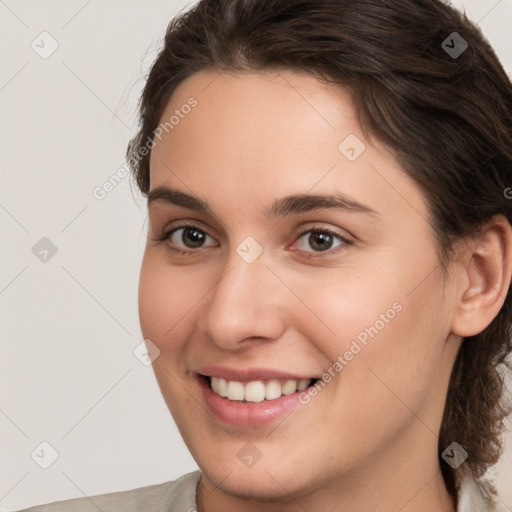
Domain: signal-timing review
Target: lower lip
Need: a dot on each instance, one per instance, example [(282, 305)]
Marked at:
[(248, 414)]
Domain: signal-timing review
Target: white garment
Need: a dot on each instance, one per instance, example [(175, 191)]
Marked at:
[(471, 499), (180, 496)]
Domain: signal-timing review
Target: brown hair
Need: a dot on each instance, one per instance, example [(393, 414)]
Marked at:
[(445, 117)]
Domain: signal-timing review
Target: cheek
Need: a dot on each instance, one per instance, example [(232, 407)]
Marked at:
[(167, 302), (346, 306), (168, 298), (381, 332)]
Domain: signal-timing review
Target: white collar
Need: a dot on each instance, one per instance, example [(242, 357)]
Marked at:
[(471, 497)]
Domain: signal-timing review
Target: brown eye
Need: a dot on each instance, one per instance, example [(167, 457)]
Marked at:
[(192, 237), (188, 237), (320, 241)]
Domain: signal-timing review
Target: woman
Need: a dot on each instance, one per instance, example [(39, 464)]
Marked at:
[(325, 287)]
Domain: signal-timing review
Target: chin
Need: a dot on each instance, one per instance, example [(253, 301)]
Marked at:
[(274, 477), (258, 483)]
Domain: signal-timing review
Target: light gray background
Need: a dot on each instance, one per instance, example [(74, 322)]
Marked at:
[(70, 324)]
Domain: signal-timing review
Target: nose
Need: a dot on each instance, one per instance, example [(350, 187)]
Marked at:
[(245, 306)]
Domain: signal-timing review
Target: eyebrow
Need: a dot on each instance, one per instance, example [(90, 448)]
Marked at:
[(296, 203)]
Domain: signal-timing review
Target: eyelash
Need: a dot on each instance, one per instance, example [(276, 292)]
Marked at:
[(313, 254)]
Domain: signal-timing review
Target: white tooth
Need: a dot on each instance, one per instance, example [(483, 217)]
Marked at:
[(302, 384), (254, 391), (235, 390), (290, 386), (272, 390), (223, 387), (215, 384)]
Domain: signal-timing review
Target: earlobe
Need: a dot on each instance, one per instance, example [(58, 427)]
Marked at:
[(485, 280)]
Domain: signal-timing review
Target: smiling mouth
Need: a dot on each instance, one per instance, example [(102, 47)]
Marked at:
[(258, 390)]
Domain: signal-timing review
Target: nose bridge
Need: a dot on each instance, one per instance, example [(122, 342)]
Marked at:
[(243, 304)]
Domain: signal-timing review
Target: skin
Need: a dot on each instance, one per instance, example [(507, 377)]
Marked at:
[(368, 440)]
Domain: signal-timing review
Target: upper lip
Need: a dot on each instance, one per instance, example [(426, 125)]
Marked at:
[(249, 374)]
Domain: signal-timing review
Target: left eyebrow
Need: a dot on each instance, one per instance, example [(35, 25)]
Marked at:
[(301, 203)]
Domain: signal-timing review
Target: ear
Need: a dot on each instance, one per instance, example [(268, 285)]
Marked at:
[(483, 277)]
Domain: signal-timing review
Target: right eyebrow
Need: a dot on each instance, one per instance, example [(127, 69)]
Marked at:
[(163, 194)]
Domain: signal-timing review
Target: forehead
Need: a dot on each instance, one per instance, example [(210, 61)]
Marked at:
[(252, 135), (257, 117)]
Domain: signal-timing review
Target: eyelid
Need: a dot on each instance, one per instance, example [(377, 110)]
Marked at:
[(320, 227), (174, 230), (171, 228)]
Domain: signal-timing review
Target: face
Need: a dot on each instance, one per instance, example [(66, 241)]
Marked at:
[(291, 266)]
